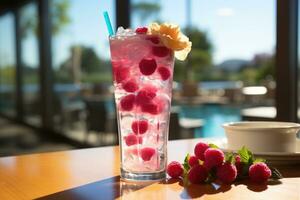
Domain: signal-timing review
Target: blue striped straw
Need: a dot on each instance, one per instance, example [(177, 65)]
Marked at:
[(108, 24)]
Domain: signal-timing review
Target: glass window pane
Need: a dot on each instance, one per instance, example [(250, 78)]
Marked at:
[(230, 70), (30, 64), (81, 64), (7, 65)]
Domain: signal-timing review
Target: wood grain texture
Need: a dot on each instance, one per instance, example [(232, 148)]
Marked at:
[(94, 174)]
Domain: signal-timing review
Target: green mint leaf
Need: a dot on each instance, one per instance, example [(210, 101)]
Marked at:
[(246, 155), (187, 157), (275, 173), (213, 146), (258, 160), (185, 164), (251, 160), (251, 157), (229, 157)]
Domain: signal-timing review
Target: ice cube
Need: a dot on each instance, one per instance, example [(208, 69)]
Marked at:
[(121, 32)]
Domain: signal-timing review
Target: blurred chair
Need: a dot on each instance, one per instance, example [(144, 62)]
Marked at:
[(96, 118), (189, 126), (182, 128), (99, 89), (189, 89), (174, 128), (68, 110)]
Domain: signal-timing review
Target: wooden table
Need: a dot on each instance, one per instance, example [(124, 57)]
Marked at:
[(94, 174)]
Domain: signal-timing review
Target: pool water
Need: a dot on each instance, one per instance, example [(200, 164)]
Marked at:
[(213, 117)]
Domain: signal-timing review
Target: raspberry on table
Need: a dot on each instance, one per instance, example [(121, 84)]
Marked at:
[(153, 39), (160, 51), (227, 173), (127, 102), (213, 157), (259, 172), (139, 126), (164, 73), (237, 159), (174, 169), (131, 139), (147, 66), (193, 160), (141, 30), (199, 150), (147, 153), (238, 164), (130, 86), (197, 174)]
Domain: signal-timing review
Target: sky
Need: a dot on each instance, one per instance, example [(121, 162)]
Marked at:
[(7, 38), (237, 29)]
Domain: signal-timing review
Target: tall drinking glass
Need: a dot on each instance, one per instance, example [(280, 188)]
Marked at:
[(143, 73)]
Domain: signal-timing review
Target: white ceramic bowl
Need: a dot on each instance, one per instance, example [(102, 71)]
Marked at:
[(260, 136)]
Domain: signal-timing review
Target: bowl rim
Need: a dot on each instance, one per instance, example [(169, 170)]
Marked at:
[(242, 125)]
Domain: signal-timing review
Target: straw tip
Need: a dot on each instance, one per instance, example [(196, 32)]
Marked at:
[(108, 23)]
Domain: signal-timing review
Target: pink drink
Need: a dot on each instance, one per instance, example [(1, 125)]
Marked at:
[(143, 73)]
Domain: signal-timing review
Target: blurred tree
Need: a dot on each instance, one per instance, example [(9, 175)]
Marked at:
[(145, 10), (59, 18), (212, 75), (88, 63), (248, 75), (259, 69), (28, 21), (59, 15), (7, 74), (200, 39), (266, 71), (199, 60), (179, 71)]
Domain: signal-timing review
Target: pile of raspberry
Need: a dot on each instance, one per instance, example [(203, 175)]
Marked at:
[(209, 164)]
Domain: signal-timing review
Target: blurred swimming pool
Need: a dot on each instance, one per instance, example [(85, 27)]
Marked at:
[(213, 117)]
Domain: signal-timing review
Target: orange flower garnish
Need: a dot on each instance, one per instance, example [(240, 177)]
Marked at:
[(172, 38)]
